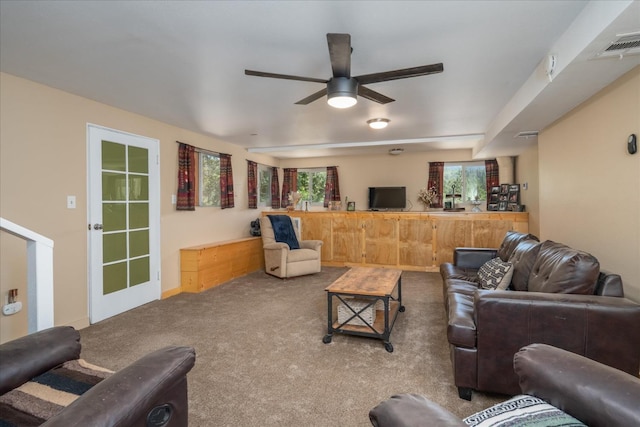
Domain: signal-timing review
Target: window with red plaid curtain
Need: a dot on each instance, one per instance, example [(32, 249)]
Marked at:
[(289, 184), (332, 186), (493, 176), (436, 180), (275, 189), (252, 184), (186, 178), (226, 182)]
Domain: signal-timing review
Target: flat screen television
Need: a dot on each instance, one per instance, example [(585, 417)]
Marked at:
[(387, 198)]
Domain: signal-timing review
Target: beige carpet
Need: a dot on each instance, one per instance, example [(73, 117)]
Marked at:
[(260, 359)]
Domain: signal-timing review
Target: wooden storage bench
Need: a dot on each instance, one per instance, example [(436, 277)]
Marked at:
[(205, 266)]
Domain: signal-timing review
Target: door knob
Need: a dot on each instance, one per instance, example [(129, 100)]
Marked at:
[(97, 226)]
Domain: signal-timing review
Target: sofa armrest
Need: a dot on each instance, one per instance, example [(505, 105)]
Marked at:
[(600, 328), (34, 354), (473, 257), (412, 410), (596, 394), (154, 386), (275, 246), (311, 244)]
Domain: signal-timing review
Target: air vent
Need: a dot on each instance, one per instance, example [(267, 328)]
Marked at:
[(624, 45), (527, 134)]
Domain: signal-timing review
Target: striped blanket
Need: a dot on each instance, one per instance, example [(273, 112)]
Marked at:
[(46, 395)]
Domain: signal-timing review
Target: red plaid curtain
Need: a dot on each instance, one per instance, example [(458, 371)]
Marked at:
[(493, 176), (332, 186), (186, 178), (436, 180), (226, 182), (252, 184), (289, 184), (275, 189)]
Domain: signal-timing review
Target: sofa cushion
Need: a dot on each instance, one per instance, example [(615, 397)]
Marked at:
[(510, 241), (561, 269), (451, 271), (523, 258), (495, 274), (522, 411)]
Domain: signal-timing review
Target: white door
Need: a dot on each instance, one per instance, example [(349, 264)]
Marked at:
[(124, 221)]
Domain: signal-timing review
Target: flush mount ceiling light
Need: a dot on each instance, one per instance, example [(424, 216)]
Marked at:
[(378, 123), (396, 151), (342, 92)]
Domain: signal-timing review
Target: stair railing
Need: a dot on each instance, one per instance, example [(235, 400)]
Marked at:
[(39, 275)]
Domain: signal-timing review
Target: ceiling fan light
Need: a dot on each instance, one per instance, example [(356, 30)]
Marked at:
[(342, 92), (342, 101), (378, 123)]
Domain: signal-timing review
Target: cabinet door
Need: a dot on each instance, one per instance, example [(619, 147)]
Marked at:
[(415, 242), (450, 234), (380, 240), (318, 227), (490, 234), (346, 244)]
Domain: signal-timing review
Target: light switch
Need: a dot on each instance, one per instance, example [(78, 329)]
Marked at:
[(71, 202), (173, 199)]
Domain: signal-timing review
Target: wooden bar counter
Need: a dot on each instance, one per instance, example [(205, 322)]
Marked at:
[(414, 241)]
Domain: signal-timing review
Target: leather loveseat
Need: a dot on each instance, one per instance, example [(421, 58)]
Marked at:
[(150, 392), (557, 295), (590, 392)]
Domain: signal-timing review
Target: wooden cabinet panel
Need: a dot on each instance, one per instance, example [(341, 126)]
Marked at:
[(205, 266), (318, 227), (451, 234), (489, 234), (408, 240), (380, 240), (346, 239), (415, 241)]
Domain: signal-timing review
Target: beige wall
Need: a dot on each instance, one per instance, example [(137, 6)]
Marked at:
[(358, 173), (526, 166), (589, 184), (43, 159)]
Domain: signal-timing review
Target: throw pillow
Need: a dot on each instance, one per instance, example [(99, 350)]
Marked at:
[(495, 274), (522, 411)]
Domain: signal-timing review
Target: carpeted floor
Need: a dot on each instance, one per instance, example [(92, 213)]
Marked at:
[(260, 359)]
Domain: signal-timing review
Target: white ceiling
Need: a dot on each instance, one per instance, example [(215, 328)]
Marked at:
[(182, 62)]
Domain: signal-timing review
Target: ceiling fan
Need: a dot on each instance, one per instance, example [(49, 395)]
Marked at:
[(342, 89)]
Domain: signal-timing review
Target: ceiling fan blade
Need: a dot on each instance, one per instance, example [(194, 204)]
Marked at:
[(309, 99), (400, 74), (372, 95), (340, 54), (283, 76)]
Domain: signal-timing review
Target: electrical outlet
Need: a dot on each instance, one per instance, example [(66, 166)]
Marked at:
[(12, 308)]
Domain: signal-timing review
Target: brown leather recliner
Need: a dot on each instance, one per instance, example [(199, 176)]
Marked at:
[(558, 296), (150, 392)]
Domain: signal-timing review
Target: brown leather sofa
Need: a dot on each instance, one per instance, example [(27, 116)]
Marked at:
[(558, 296), (595, 394), (150, 392)]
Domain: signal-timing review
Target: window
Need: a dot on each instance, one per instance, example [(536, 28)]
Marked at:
[(264, 185), (468, 178), (311, 183), (208, 179)]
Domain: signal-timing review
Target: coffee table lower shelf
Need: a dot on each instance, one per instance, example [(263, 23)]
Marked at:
[(379, 330)]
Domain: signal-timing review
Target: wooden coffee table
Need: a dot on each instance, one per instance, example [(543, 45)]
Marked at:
[(369, 285)]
